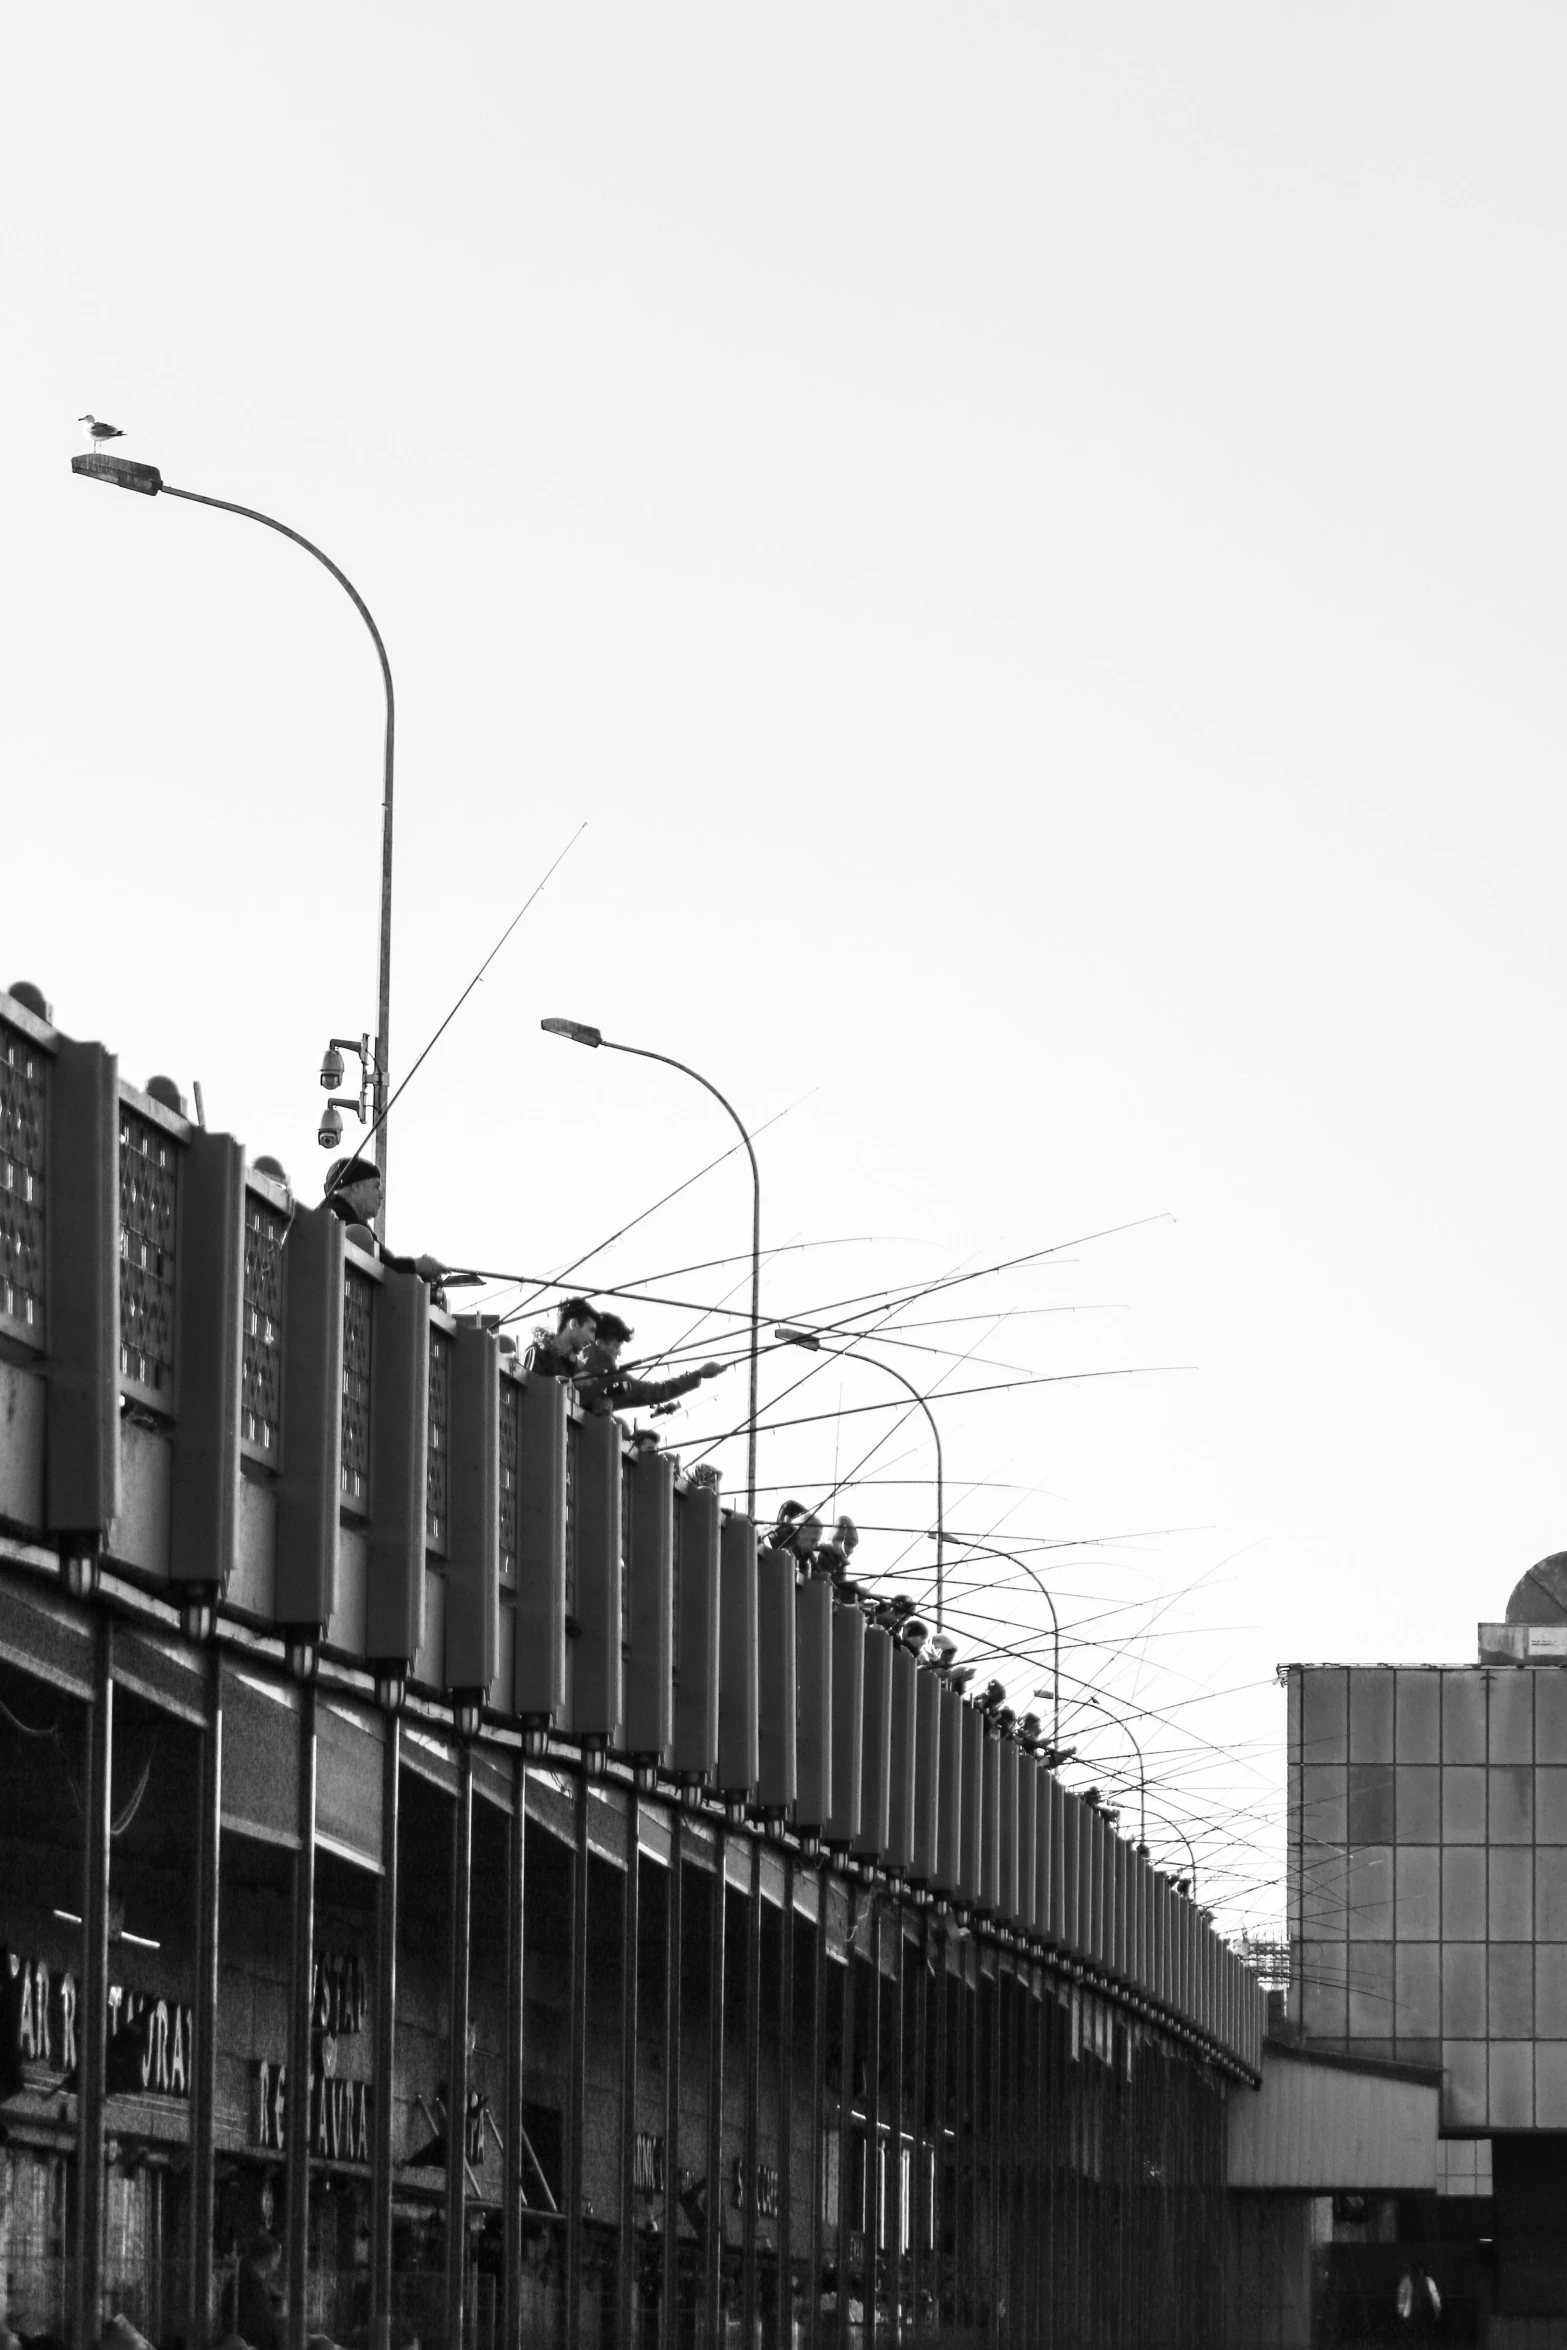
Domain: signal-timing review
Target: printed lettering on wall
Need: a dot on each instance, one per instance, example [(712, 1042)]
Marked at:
[(340, 2000), (149, 2039), (339, 2114), (766, 2202)]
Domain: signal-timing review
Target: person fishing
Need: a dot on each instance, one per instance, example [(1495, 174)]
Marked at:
[(604, 1387)]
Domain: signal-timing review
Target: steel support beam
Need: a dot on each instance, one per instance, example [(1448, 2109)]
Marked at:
[(204, 2020), (753, 2095), (669, 2297), (630, 1936), (457, 2057), (818, 2070), (92, 2054), (512, 2180), (384, 2026), (713, 2204), (301, 1996), (873, 2146), (576, 2073), (845, 2332), (922, 2134), (786, 2109)]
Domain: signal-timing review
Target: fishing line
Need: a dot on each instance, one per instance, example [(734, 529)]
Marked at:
[(558, 1281), (366, 1140)]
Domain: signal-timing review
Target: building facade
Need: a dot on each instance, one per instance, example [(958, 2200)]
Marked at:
[(435, 1840), (1428, 1921)]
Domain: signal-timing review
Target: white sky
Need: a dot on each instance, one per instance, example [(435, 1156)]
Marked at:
[(1031, 536)]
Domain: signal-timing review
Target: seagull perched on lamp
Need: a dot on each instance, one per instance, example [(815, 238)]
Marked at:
[(98, 433)]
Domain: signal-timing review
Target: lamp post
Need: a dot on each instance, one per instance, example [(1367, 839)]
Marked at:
[(814, 1341), (127, 474), (1142, 1769), (580, 1032), (1191, 1857), (992, 1550)]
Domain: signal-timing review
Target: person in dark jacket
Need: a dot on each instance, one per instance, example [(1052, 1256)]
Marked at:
[(252, 2311), (558, 1353), (353, 1193), (604, 1387)]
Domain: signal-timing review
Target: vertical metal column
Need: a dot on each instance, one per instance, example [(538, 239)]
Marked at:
[(457, 2063), (516, 2029), (920, 2198), (1037, 2124), (576, 2072), (1006, 2171), (301, 2002), (941, 2217), (385, 2029), (962, 2148), (630, 1934), (92, 2056), (843, 2328), (898, 2214), (713, 2206), (753, 2094), (873, 2150), (995, 2061), (204, 2023), (813, 2241), (668, 2300), (786, 2111)]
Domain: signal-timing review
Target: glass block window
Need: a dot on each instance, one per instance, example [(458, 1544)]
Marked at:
[(438, 1451), (261, 1370), (358, 1328), (511, 1449), (149, 1214), (23, 1123)]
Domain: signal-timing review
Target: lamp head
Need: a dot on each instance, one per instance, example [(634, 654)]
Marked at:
[(577, 1030), (123, 473), (787, 1335)]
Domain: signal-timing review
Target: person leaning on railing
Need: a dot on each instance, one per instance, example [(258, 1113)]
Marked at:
[(558, 1353), (353, 1193), (604, 1387)]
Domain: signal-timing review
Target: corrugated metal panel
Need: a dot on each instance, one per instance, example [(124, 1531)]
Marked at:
[(1327, 2128)]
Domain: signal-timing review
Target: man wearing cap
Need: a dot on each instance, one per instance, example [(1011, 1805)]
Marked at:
[(353, 1193)]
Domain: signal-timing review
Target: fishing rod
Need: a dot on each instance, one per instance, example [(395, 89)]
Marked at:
[(600, 1246), (992, 1387), (385, 1113), (541, 1283), (908, 1294)]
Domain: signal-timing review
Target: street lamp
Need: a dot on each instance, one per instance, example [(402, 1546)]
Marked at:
[(126, 473), (992, 1550), (580, 1032), (1191, 1857), (815, 1342), (1142, 1769)]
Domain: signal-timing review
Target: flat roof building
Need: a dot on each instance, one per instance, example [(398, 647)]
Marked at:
[(1427, 1890)]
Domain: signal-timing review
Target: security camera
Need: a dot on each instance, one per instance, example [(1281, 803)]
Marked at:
[(331, 1069), (330, 1131)]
